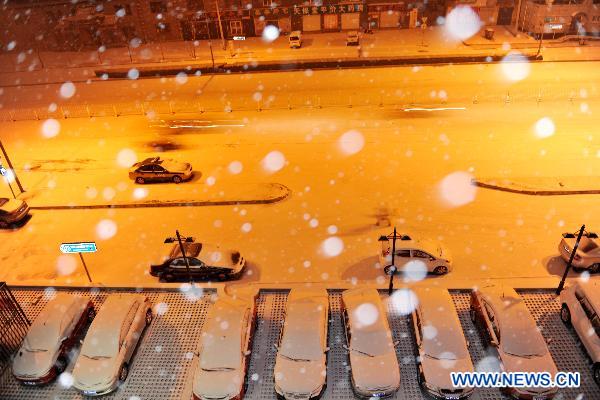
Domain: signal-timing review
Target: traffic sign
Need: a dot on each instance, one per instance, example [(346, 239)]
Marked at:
[(78, 247), (2, 170)]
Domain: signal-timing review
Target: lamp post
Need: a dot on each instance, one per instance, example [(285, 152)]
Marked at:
[(10, 166), (179, 240), (564, 277), (212, 57), (220, 24), (543, 26), (392, 266)]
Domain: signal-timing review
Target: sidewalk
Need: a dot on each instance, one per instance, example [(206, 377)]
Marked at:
[(394, 46)]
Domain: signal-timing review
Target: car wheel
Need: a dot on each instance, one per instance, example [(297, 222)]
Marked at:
[(149, 317), (3, 224), (595, 268), (578, 269), (167, 278), (60, 364), (140, 180), (389, 269), (91, 314), (472, 315), (177, 179), (596, 372), (441, 270), (123, 372), (565, 314)]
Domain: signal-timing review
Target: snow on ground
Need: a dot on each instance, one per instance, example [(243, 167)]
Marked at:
[(351, 171)]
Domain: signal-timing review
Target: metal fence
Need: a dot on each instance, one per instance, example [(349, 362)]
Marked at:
[(13, 326)]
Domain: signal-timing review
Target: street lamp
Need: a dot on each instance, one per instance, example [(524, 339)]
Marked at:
[(10, 166), (392, 266), (564, 277), (178, 238), (543, 26)]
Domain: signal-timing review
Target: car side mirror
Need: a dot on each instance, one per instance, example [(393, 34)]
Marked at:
[(396, 343), (494, 343), (468, 344), (345, 346), (81, 342), (276, 347), (63, 339), (247, 352), (327, 349)]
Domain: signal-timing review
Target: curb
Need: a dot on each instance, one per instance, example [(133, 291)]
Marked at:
[(305, 64), (156, 203), (533, 192)]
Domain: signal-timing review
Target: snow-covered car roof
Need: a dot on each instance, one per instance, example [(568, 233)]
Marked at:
[(209, 254), (591, 290), (302, 340), (519, 334), (438, 312), (432, 247), (368, 321), (221, 335), (102, 338), (45, 330)]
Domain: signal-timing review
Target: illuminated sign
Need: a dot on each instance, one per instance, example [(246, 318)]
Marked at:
[(78, 247), (239, 38)]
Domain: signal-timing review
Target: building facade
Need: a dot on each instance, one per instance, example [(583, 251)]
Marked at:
[(560, 17)]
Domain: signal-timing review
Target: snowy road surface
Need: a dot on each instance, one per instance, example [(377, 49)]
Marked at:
[(351, 170)]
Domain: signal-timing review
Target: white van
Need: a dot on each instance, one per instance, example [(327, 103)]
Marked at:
[(295, 39)]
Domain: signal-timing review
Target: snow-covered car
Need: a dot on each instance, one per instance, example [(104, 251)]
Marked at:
[(206, 262), (352, 38), (581, 309), (12, 211), (371, 350), (301, 362), (506, 324), (440, 343), (414, 256), (45, 350), (156, 169), (224, 350), (588, 252), (295, 39), (108, 347)]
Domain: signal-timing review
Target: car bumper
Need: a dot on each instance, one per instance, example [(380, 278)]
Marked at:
[(18, 216), (93, 392), (519, 394), (37, 381), (461, 394)]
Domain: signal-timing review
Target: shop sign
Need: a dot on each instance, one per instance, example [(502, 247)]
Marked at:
[(330, 9), (272, 12)]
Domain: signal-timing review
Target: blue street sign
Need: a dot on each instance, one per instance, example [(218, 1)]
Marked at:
[(2, 170), (78, 247)]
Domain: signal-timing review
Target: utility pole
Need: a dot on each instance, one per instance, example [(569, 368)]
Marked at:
[(11, 168), (564, 277), (212, 57), (220, 24), (393, 266), (187, 264)]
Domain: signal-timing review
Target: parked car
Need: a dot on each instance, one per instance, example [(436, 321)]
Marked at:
[(588, 252), (206, 262), (12, 211), (581, 309), (445, 352), (435, 258), (301, 362), (371, 350), (44, 353), (352, 38), (157, 169), (108, 347), (509, 328), (225, 346), (295, 39)]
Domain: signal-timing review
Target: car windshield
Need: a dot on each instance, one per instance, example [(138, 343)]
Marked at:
[(375, 343), (100, 344)]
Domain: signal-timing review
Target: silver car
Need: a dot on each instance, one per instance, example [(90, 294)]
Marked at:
[(12, 211), (581, 309), (223, 357), (45, 350), (374, 366), (505, 322), (588, 252), (301, 363), (109, 344), (441, 345), (414, 256)]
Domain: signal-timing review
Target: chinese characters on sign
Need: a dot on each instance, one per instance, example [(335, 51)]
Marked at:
[(330, 9), (272, 11)]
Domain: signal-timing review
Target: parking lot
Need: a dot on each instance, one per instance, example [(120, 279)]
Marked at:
[(164, 364)]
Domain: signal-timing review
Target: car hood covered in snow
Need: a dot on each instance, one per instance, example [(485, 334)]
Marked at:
[(91, 374), (437, 372), (222, 384), (299, 377), (33, 364), (377, 373)]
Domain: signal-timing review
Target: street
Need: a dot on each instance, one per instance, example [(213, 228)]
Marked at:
[(356, 160)]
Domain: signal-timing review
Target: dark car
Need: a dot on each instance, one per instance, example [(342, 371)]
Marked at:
[(12, 211), (206, 262), (158, 169)]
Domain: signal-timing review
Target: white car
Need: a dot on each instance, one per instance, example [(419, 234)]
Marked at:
[(441, 344), (581, 308), (301, 363), (374, 367), (224, 350), (44, 352), (352, 38), (414, 256), (109, 344), (588, 252), (505, 322)]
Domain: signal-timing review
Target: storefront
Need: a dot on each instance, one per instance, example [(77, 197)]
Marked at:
[(389, 15), (330, 18), (276, 16)]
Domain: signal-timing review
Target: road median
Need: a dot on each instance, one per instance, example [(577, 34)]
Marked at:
[(540, 186)]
